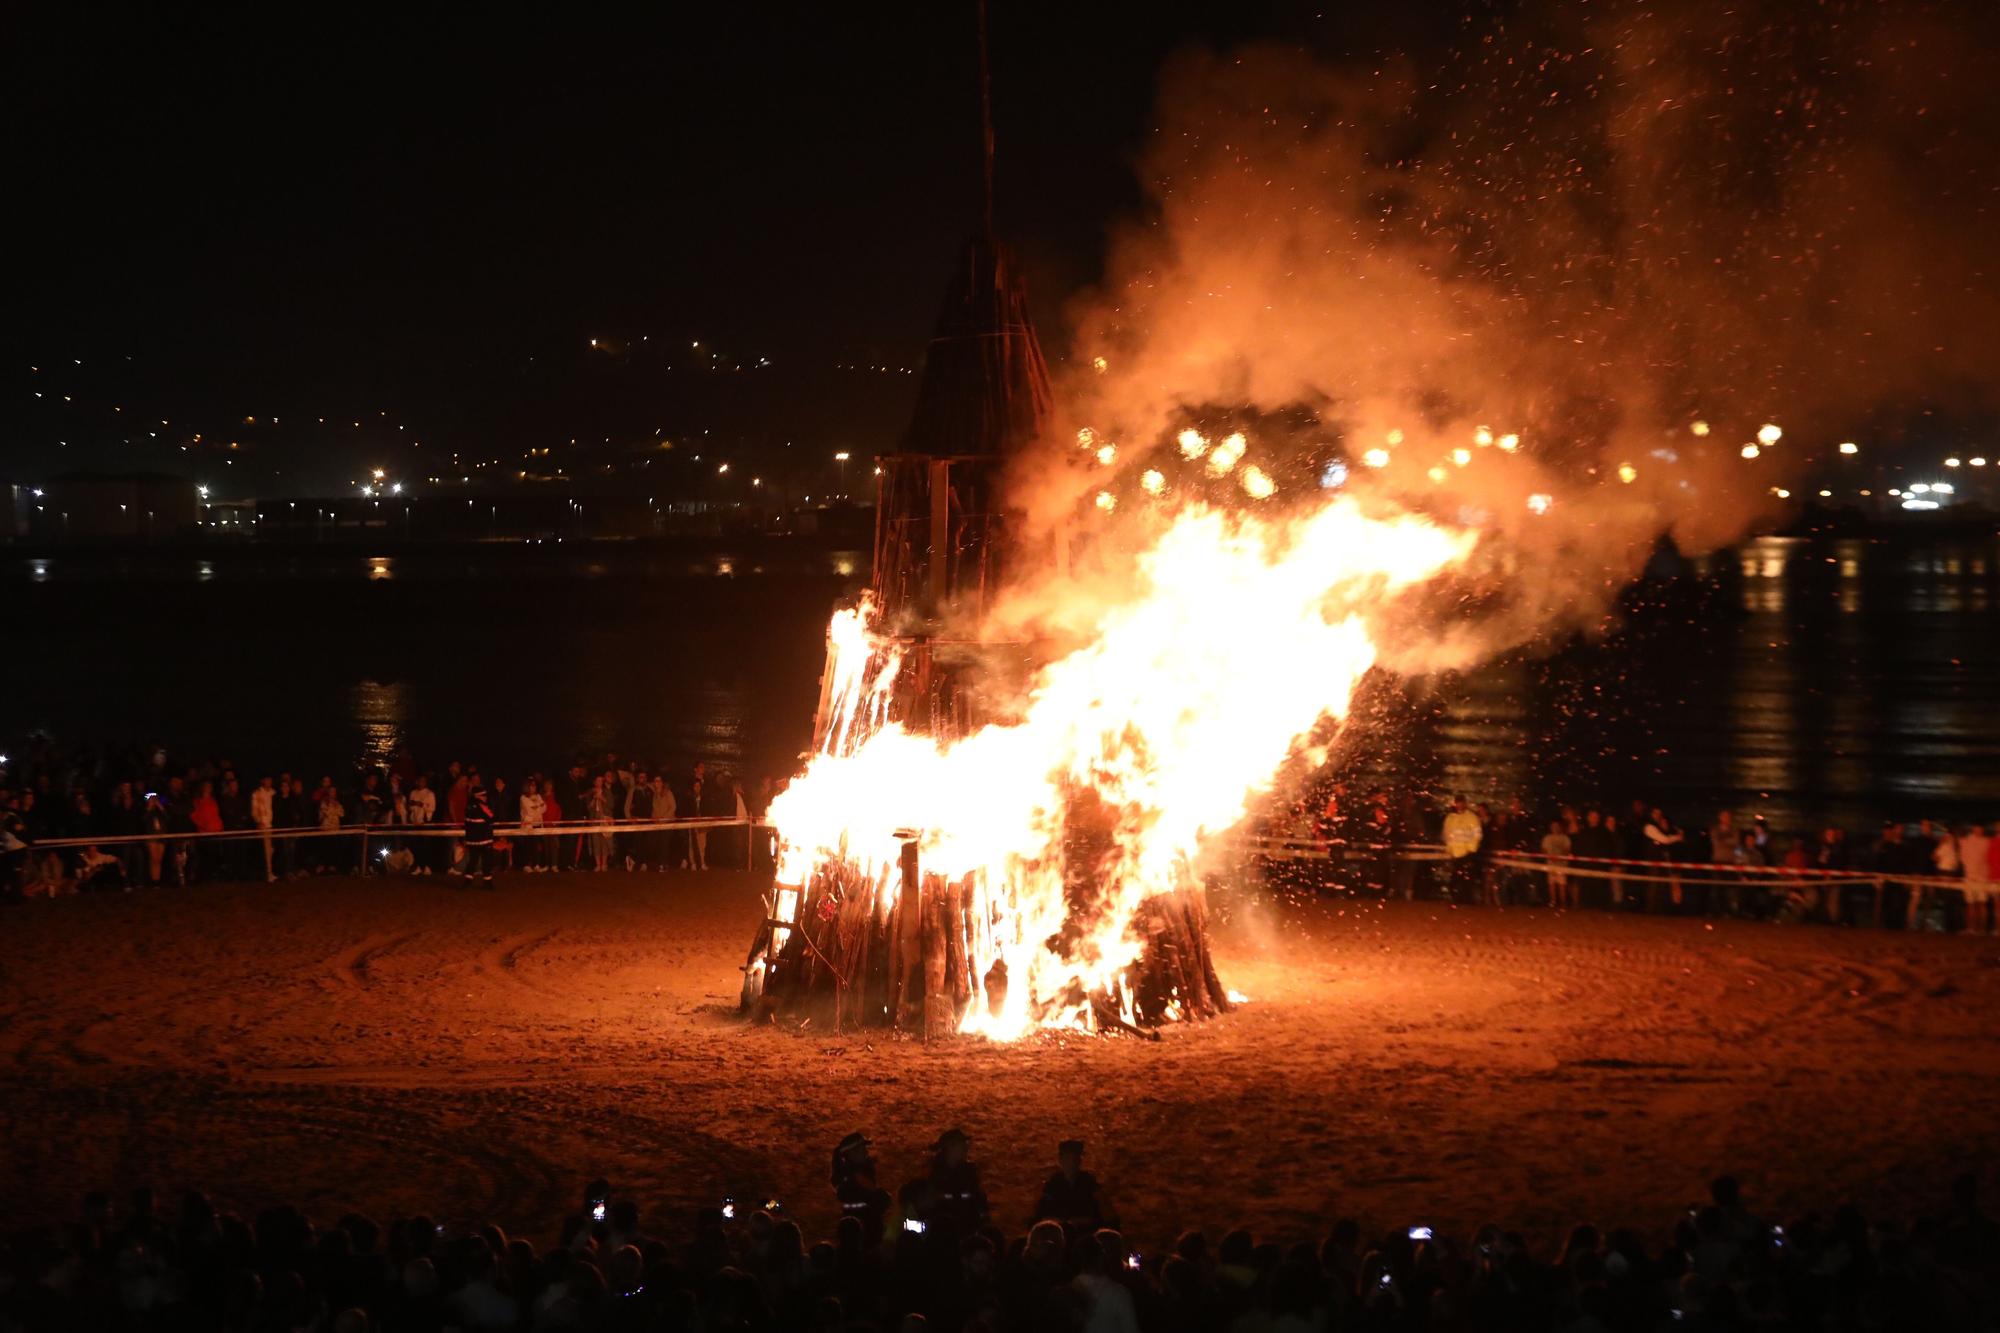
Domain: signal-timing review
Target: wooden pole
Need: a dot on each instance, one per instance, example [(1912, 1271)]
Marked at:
[(985, 131), (937, 1018)]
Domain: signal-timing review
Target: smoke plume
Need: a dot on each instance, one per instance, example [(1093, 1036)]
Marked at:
[(1621, 239)]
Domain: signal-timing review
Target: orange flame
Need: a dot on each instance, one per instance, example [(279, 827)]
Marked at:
[(1239, 634)]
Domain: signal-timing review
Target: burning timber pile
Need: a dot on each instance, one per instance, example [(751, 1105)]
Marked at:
[(1045, 869)]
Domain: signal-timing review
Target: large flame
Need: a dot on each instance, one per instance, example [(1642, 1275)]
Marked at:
[(1238, 634)]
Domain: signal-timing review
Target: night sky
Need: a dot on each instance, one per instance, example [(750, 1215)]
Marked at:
[(271, 253), (418, 223)]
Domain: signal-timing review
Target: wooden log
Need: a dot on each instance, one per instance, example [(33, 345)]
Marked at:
[(938, 1019), (958, 960), (908, 978), (1218, 994)]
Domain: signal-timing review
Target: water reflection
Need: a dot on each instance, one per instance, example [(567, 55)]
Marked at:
[(381, 710), (1847, 554), (1842, 679), (1483, 736)]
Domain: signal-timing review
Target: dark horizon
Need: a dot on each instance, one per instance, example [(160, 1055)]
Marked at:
[(274, 256), (478, 241)]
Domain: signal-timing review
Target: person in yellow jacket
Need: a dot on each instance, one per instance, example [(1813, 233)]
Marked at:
[(1462, 835)]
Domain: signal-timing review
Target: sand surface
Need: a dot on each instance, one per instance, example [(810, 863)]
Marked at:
[(408, 1045)]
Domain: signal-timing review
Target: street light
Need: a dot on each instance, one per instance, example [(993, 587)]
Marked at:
[(841, 458)]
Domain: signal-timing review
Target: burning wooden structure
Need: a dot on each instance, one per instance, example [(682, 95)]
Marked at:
[(868, 944), (879, 943)]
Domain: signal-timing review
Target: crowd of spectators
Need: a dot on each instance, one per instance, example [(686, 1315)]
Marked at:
[(72, 822), (938, 1256), (1933, 874)]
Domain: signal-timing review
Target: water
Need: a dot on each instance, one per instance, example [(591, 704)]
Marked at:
[(516, 657), (1847, 679)]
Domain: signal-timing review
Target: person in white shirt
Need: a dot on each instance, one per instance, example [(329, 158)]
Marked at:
[(663, 810), (1944, 852), (1109, 1305), (1976, 850), (261, 810), (420, 807), (533, 806)]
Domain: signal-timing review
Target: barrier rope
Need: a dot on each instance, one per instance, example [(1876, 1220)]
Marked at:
[(372, 832)]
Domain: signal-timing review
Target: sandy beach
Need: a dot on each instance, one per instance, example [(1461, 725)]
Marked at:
[(396, 1046)]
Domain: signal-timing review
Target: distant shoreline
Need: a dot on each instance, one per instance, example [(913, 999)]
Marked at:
[(854, 534)]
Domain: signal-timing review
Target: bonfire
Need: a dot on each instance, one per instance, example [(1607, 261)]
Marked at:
[(995, 835)]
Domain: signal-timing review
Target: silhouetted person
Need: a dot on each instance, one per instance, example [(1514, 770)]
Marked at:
[(1072, 1195), (854, 1185), (479, 821), (952, 1201)]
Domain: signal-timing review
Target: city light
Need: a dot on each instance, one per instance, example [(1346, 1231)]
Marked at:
[(840, 457), (1769, 434), (1951, 462), (1627, 473), (1849, 447), (1750, 451), (1376, 458), (1699, 427)]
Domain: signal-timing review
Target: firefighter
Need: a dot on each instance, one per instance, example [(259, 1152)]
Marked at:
[(854, 1185), (478, 836), (1072, 1196), (954, 1198)]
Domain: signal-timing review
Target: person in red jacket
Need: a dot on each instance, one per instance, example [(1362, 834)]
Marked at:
[(206, 816)]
